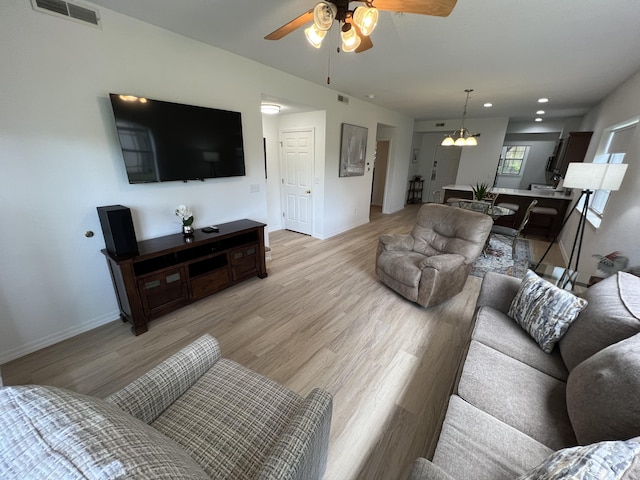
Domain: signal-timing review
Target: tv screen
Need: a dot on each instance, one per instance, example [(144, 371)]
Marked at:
[(164, 141)]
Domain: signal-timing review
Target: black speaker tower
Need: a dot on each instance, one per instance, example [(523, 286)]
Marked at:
[(117, 228)]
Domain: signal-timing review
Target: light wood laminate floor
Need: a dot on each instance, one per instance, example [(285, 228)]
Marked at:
[(321, 318)]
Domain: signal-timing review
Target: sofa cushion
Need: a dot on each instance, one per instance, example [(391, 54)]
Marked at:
[(603, 394), (498, 331), (613, 314), (517, 395), (602, 461), (230, 435), (475, 445), (544, 310), (49, 432)]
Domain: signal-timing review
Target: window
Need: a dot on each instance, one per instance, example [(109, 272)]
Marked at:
[(512, 159), (612, 149)]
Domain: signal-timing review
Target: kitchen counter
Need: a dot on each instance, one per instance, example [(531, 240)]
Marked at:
[(546, 198), (543, 193)]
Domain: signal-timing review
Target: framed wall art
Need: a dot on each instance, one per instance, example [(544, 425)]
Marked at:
[(353, 150)]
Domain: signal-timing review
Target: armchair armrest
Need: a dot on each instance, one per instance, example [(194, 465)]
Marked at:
[(301, 451), (150, 395), (423, 469), (396, 242), (442, 263)]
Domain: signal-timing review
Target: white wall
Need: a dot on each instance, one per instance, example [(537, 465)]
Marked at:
[(60, 159), (620, 228)]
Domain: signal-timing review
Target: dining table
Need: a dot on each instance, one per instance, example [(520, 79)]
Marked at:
[(494, 211)]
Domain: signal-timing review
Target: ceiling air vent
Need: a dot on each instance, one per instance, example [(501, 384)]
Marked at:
[(68, 10), (343, 99)]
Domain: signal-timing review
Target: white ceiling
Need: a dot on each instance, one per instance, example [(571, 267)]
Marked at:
[(511, 52)]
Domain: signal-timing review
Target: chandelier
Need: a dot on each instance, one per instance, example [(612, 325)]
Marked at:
[(462, 137)]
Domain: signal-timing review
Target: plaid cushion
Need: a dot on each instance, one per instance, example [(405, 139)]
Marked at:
[(149, 396), (230, 420), (49, 432)]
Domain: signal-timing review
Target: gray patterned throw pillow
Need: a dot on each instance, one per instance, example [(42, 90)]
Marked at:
[(601, 461), (544, 310)]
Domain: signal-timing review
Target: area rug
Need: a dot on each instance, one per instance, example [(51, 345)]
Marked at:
[(497, 258)]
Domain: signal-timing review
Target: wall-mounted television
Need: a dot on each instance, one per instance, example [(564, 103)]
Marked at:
[(164, 141)]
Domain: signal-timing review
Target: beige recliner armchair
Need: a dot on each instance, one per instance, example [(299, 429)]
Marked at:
[(431, 264)]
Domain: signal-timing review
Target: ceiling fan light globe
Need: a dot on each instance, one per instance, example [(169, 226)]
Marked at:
[(350, 40), (366, 18), (460, 142), (447, 142), (324, 13), (314, 35)]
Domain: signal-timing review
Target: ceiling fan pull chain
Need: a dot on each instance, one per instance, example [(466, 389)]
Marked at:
[(328, 66)]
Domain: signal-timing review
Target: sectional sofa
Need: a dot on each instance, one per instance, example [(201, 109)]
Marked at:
[(518, 412)]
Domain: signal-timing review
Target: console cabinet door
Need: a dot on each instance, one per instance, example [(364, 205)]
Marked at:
[(244, 261), (163, 290)]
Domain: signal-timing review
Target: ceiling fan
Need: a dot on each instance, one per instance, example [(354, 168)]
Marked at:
[(357, 24)]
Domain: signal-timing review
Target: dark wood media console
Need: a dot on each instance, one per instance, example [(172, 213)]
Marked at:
[(172, 271)]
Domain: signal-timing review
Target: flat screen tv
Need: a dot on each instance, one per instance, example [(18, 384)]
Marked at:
[(164, 141)]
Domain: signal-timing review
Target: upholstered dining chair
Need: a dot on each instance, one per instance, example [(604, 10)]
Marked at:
[(513, 233), (431, 264)]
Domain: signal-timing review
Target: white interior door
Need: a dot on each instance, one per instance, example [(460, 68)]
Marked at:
[(297, 180), (444, 168)]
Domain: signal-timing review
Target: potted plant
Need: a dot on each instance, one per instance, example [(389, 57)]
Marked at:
[(184, 213), (480, 190)]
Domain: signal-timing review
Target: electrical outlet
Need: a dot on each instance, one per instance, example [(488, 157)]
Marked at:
[(255, 188)]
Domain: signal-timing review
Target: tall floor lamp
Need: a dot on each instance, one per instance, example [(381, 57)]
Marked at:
[(589, 177)]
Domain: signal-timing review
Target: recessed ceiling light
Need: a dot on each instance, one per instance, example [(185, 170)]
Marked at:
[(538, 119), (371, 96), (540, 112), (270, 108), (488, 105), (543, 100)]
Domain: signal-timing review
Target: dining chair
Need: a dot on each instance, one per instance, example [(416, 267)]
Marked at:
[(490, 197), (512, 233)]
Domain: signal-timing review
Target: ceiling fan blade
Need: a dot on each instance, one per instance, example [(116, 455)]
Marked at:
[(438, 8), (287, 28)]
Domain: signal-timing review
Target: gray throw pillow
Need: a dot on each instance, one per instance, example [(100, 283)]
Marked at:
[(50, 432), (544, 310), (603, 394), (601, 461)]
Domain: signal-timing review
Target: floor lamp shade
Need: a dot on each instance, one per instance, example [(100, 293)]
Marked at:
[(595, 176)]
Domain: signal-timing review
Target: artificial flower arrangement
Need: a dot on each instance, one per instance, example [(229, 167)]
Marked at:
[(185, 214)]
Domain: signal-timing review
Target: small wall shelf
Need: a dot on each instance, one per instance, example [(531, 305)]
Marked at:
[(414, 195)]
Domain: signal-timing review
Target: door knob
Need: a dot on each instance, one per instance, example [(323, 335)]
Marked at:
[(308, 191)]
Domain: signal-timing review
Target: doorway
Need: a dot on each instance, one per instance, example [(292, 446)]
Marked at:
[(297, 159), (380, 172), (444, 169)]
